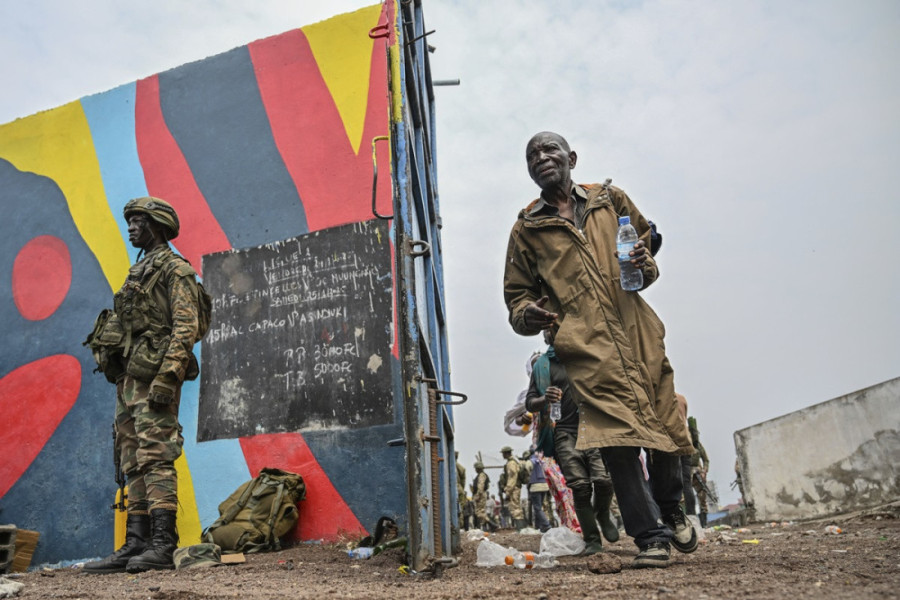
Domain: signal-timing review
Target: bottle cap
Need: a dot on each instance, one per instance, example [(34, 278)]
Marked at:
[(624, 220)]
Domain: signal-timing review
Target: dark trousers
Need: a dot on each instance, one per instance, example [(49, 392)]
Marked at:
[(641, 503), (537, 508), (690, 501)]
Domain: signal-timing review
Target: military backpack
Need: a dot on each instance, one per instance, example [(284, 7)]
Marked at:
[(259, 513)]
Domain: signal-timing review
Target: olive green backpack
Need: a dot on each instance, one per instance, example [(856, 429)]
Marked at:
[(259, 513)]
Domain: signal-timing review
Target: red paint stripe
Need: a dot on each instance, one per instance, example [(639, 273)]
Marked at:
[(168, 176), (334, 183), (324, 514), (33, 404)]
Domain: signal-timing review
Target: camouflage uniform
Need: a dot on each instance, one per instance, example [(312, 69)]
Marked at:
[(157, 320), (699, 468), (480, 495), (461, 491), (512, 489), (149, 441)]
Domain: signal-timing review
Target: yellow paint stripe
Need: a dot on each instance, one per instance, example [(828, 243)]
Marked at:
[(188, 517), (343, 50), (57, 144)]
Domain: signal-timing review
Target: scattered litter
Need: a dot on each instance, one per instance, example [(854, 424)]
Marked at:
[(840, 551), (744, 530), (490, 554), (361, 552), (473, 535), (529, 531), (810, 532), (561, 541), (10, 588), (753, 541), (833, 529)]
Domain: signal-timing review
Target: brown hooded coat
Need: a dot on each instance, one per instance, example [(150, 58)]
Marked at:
[(610, 341)]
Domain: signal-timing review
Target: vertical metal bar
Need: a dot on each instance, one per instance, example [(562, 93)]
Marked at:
[(436, 512)]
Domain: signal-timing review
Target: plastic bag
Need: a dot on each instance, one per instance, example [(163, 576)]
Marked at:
[(490, 554), (562, 541)]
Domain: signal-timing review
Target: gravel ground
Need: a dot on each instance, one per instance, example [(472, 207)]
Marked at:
[(783, 561)]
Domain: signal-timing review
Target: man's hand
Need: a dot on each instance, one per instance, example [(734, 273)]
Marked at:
[(553, 394), (162, 393), (638, 254), (525, 419), (536, 316)]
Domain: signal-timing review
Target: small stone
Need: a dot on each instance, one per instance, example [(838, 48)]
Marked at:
[(603, 563)]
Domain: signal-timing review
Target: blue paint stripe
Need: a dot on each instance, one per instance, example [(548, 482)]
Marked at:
[(110, 116), (217, 468), (215, 112)]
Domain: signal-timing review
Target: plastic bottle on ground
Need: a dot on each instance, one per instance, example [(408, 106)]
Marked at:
[(361, 552), (490, 554), (531, 560), (630, 277)]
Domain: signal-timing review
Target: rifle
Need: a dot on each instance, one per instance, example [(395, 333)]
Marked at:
[(705, 487), (120, 476)]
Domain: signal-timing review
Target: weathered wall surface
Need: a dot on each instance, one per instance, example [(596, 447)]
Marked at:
[(263, 142), (834, 457)]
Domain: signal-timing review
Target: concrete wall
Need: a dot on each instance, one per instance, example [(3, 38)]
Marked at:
[(263, 142), (834, 457)]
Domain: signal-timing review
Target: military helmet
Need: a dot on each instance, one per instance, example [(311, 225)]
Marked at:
[(479, 465), (505, 449), (158, 210)]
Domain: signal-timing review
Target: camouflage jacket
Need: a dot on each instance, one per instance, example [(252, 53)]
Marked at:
[(176, 296)]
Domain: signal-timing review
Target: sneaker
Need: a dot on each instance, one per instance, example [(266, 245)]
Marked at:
[(652, 555), (684, 537)]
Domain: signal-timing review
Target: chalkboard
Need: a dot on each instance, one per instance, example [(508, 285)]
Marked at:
[(300, 336)]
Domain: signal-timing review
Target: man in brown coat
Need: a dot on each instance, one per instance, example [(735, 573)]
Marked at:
[(562, 269)]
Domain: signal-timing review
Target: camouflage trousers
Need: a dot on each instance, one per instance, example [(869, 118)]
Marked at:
[(514, 502), (480, 501), (148, 441)]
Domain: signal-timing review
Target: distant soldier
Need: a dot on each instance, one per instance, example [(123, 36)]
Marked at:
[(156, 312), (699, 469), (460, 490), (480, 486), (513, 487)]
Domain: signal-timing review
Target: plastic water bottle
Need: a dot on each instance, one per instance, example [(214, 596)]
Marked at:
[(630, 277), (531, 560), (361, 552), (555, 411)]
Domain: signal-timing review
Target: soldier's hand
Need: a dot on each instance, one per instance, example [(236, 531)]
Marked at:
[(526, 419), (162, 393)]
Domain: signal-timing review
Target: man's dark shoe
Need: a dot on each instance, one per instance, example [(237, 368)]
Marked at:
[(652, 555), (137, 533), (684, 538), (158, 554), (591, 548)]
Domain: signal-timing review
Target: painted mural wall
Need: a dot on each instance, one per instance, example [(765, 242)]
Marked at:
[(264, 142)]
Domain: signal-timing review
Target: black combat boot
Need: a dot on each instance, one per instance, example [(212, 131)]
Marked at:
[(520, 524), (703, 519), (137, 531), (593, 542), (164, 539), (602, 501)]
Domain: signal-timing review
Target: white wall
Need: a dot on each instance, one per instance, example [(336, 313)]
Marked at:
[(834, 457)]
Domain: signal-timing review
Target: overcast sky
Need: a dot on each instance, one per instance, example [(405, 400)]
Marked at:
[(762, 137)]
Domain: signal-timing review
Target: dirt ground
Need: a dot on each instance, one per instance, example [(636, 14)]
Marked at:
[(782, 561)]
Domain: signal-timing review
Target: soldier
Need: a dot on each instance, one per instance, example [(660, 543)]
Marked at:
[(699, 469), (513, 487), (480, 486), (157, 310), (461, 490)]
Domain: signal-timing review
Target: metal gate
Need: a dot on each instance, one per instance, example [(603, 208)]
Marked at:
[(424, 363)]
